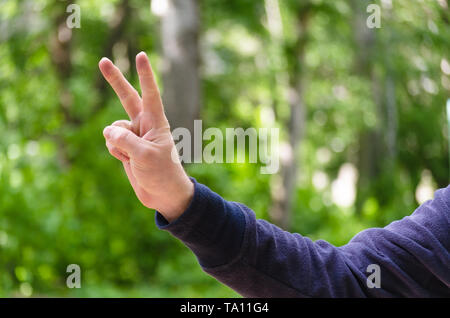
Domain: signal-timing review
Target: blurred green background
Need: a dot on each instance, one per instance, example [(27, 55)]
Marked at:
[(361, 113)]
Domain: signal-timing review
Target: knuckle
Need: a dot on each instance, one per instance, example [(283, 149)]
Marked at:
[(152, 96), (121, 137), (129, 97), (113, 78), (125, 137)]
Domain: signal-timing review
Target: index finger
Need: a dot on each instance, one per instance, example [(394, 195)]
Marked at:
[(129, 97)]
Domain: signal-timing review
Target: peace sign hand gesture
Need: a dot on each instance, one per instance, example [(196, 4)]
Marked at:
[(145, 144)]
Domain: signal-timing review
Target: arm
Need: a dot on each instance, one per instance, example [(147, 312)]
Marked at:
[(258, 259), (254, 257)]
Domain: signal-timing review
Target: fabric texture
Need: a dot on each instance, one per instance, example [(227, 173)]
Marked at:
[(258, 259)]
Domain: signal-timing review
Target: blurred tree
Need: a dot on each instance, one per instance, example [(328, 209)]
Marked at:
[(371, 150), (345, 98), (180, 31), (295, 52)]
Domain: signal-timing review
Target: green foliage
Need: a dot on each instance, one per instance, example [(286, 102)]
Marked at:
[(65, 200)]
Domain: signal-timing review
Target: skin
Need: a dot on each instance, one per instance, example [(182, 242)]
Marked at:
[(144, 144)]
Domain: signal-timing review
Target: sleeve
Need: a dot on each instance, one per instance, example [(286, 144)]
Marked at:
[(258, 259)]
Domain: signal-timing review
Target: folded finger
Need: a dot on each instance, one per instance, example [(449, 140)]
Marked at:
[(115, 152)]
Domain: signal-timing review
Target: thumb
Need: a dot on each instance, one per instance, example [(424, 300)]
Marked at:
[(123, 139)]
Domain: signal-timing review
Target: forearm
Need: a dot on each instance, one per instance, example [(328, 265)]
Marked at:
[(258, 259), (254, 257)]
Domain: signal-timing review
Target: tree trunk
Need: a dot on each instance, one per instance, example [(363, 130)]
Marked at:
[(372, 142), (118, 24), (283, 191), (179, 36), (61, 57), (391, 117)]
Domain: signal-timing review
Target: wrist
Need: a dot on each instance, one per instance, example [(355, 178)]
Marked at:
[(180, 202)]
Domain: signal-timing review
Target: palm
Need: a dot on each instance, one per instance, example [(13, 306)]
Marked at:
[(137, 175)]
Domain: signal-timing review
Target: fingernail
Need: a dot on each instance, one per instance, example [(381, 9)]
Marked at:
[(103, 59), (107, 131), (142, 53)]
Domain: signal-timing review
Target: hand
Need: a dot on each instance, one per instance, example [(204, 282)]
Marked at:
[(145, 145)]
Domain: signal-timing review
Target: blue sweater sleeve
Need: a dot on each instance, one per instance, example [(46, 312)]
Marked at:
[(258, 259)]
